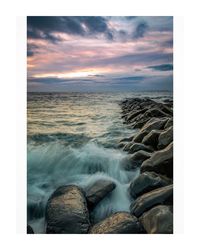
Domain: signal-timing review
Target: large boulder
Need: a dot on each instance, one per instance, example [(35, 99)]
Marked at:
[(133, 161), (160, 162), (66, 211), (96, 192), (169, 123), (147, 182), (139, 146), (151, 139), (158, 220), (139, 136), (118, 223), (165, 138), (135, 114), (159, 196), (154, 123), (155, 112)]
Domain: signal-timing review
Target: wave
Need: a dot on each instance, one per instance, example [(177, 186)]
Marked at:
[(51, 165)]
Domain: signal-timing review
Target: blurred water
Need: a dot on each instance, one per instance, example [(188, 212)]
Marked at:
[(72, 139)]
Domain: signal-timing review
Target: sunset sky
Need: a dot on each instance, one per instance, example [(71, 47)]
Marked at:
[(99, 53)]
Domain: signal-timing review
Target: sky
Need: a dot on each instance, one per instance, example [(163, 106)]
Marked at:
[(97, 53)]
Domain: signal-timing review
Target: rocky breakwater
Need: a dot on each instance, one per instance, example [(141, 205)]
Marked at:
[(151, 150)]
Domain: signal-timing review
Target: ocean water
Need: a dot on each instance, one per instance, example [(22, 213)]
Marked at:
[(72, 139)]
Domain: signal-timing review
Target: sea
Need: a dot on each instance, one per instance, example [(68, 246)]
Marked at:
[(72, 138)]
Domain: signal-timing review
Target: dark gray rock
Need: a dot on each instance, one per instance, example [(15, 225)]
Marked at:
[(135, 114), (165, 138), (158, 220), (147, 182), (139, 146), (133, 161), (155, 112), (154, 123), (67, 212), (118, 223), (160, 162), (96, 192), (151, 139), (159, 196), (127, 146), (169, 123), (29, 230), (139, 136)]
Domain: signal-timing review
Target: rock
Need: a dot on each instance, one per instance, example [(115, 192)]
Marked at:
[(154, 123), (155, 112), (139, 136), (67, 212), (139, 146), (147, 182), (159, 196), (96, 192), (151, 139), (135, 114), (133, 161), (165, 138), (160, 162), (30, 230), (169, 123), (128, 139), (127, 146), (121, 145), (158, 220), (118, 223)]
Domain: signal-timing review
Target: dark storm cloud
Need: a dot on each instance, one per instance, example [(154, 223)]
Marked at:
[(40, 27), (162, 67), (140, 30)]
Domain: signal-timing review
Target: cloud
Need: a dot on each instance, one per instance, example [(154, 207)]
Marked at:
[(45, 27), (162, 67), (140, 30)]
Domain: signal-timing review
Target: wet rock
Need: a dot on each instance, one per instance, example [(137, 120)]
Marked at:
[(96, 192), (30, 230), (155, 112), (121, 144), (160, 162), (154, 123), (139, 136), (159, 196), (135, 114), (118, 223), (135, 160), (169, 123), (165, 138), (139, 146), (151, 139), (147, 182), (67, 212), (127, 146), (128, 139), (158, 220)]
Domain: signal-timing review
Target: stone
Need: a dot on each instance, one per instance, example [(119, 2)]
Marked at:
[(151, 139), (67, 212), (127, 146), (29, 230), (135, 114), (154, 123), (147, 182), (158, 220), (96, 192), (155, 112), (118, 223), (160, 162), (169, 123), (139, 136), (133, 161), (165, 138), (159, 196), (139, 146)]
